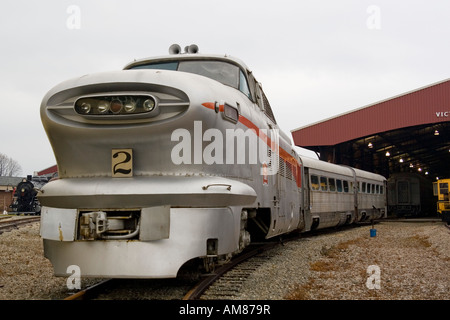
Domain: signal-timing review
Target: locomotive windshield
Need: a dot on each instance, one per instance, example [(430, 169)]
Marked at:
[(226, 73)]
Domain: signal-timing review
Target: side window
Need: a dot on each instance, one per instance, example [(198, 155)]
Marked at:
[(263, 103), (363, 187), (253, 85), (243, 85), (268, 109), (332, 184), (339, 185), (346, 187), (323, 184), (259, 99), (314, 182), (443, 187)]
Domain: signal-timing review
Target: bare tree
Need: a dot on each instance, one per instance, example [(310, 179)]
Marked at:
[(9, 167)]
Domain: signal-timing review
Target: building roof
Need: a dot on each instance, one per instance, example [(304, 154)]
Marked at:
[(9, 182), (48, 171), (411, 129), (426, 105)]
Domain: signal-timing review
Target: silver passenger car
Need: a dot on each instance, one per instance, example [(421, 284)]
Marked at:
[(336, 195)]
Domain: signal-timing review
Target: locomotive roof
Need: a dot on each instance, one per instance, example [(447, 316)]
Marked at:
[(188, 56)]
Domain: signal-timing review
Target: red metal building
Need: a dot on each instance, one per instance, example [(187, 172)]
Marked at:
[(409, 132), (49, 172)]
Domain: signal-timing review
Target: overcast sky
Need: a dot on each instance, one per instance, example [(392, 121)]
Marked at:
[(315, 59)]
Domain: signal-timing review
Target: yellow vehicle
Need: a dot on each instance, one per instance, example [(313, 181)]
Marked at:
[(441, 190)]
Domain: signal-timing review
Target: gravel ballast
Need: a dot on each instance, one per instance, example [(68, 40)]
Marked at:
[(405, 260), (410, 260)]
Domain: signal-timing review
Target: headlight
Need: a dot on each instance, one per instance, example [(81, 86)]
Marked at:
[(230, 113), (149, 104), (103, 106), (115, 105), (130, 106), (85, 108)]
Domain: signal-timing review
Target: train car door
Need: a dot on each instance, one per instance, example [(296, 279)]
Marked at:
[(280, 203), (305, 219)]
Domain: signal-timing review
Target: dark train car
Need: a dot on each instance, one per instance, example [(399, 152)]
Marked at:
[(409, 194)]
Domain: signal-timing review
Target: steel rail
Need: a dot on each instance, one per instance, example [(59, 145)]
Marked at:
[(90, 292), (10, 224), (203, 285)]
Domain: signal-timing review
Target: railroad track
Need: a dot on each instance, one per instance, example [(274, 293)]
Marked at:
[(92, 291), (223, 284), (7, 225), (226, 281)]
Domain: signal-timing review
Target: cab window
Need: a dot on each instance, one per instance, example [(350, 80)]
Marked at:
[(443, 187), (224, 72), (243, 85)]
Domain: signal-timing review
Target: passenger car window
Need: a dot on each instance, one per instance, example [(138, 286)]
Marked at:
[(346, 189), (339, 185), (323, 184), (314, 182), (332, 184)]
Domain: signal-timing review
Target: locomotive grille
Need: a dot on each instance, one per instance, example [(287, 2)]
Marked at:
[(284, 168)]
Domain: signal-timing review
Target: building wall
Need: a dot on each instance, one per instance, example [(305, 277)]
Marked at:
[(5, 200)]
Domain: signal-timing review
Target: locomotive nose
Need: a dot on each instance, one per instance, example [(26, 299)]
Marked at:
[(86, 118)]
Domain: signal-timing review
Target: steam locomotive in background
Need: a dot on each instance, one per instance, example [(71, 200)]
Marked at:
[(179, 158), (25, 199)]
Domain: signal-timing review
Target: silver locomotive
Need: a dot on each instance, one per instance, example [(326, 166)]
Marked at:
[(178, 158)]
